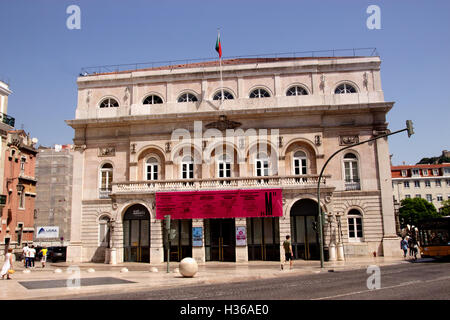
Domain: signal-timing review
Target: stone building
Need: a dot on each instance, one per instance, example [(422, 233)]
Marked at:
[(54, 169), (214, 152)]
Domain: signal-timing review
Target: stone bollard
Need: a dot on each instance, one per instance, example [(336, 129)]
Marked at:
[(188, 267)]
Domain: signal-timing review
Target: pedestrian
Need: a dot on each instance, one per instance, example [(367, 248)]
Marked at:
[(7, 265), (32, 256), (404, 246), (288, 254), (414, 247), (25, 251), (44, 256)]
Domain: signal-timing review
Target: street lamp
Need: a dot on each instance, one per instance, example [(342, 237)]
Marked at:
[(409, 128)]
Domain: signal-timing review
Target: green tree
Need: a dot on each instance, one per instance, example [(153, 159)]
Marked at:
[(445, 210), (416, 209)]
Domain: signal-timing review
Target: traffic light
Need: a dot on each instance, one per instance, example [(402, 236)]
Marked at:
[(410, 128)]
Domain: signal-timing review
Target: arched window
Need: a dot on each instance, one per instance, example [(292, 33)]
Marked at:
[(153, 99), (187, 168), (355, 229), (224, 166), (345, 88), (259, 93), (104, 232), (187, 97), (109, 103), (151, 168), (296, 91), (106, 178), (351, 171), (226, 95), (262, 165), (300, 163)]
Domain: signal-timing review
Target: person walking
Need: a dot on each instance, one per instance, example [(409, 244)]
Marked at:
[(7, 265), (414, 247), (32, 256), (404, 246), (288, 253), (25, 254), (44, 256)]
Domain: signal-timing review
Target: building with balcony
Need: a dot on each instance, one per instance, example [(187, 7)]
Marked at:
[(233, 161), (19, 184), (427, 181), (54, 171)]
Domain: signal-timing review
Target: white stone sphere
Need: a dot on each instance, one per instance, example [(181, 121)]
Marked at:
[(123, 270), (58, 271), (188, 267), (90, 270), (153, 269)]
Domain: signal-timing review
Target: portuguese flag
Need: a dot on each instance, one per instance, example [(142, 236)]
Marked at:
[(219, 46)]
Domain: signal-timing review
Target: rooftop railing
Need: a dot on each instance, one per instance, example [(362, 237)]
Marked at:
[(371, 52), (7, 119)]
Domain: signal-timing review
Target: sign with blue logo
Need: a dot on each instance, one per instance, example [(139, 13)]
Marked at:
[(47, 232)]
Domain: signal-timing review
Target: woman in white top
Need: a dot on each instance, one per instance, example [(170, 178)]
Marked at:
[(7, 265)]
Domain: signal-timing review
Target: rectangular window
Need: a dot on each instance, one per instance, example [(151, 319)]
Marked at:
[(417, 184), (355, 230), (418, 196), (429, 198), (407, 196), (446, 171), (22, 200), (438, 183), (415, 172), (427, 183), (435, 172), (406, 184), (425, 172), (448, 183), (439, 198), (404, 173)]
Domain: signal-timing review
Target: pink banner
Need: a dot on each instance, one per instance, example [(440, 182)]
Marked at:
[(219, 204)]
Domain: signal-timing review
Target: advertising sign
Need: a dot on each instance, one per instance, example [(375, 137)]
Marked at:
[(197, 236), (219, 204), (47, 232), (241, 236)]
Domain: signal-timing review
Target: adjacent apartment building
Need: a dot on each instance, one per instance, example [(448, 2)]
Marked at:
[(54, 169), (234, 161), (19, 184), (427, 181)]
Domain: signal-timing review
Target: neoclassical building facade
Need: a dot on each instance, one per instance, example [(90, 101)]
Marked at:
[(234, 161)]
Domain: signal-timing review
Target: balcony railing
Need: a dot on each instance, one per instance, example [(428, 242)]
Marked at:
[(285, 182), (103, 193), (352, 185), (7, 119)]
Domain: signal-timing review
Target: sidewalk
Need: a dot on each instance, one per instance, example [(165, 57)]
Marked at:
[(142, 278)]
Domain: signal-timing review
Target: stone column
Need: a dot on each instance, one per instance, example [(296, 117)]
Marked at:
[(241, 251), (198, 253), (390, 239), (156, 241), (285, 226), (74, 250)]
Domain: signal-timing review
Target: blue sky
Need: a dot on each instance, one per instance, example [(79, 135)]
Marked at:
[(42, 58)]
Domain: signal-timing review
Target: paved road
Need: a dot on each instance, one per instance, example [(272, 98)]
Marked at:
[(416, 281)]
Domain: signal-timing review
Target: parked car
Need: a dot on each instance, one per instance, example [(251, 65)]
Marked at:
[(55, 254)]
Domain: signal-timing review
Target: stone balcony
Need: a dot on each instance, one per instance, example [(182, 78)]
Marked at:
[(283, 182)]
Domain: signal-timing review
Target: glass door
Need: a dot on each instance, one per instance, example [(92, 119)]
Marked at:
[(304, 239), (220, 242), (181, 245)]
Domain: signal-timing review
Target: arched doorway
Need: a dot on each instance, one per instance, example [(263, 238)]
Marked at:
[(305, 240), (136, 234)]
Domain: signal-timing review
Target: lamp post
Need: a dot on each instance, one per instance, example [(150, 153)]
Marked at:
[(409, 128)]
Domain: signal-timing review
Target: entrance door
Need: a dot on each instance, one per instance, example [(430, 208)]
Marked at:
[(263, 239), (136, 234), (305, 240), (220, 241), (181, 245)]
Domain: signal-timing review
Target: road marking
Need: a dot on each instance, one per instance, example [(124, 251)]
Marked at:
[(390, 287)]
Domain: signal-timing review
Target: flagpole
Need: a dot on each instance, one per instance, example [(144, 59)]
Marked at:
[(220, 68)]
